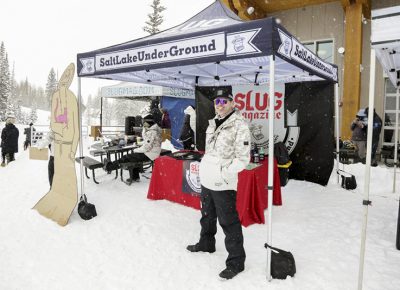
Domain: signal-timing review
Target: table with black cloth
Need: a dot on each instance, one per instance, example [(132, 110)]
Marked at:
[(252, 193)]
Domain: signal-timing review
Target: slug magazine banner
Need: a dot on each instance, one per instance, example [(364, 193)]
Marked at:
[(297, 123), (191, 179)]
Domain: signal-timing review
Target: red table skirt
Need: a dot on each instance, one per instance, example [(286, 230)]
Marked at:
[(252, 193)]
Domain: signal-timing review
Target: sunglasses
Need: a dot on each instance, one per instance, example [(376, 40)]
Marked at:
[(220, 101)]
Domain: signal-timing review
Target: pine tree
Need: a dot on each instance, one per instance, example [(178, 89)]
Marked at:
[(121, 110), (155, 18), (18, 112), (51, 87), (88, 111), (13, 84), (108, 112), (33, 115), (4, 81)]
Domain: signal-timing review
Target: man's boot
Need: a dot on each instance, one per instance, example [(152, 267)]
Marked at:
[(200, 248)]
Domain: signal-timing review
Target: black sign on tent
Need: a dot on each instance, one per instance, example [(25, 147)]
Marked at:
[(213, 48)]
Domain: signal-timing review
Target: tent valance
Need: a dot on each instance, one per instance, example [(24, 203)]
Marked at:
[(134, 90), (214, 47)]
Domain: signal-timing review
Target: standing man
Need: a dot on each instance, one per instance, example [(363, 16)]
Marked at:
[(9, 140), (227, 153), (359, 135), (376, 132), (28, 133)]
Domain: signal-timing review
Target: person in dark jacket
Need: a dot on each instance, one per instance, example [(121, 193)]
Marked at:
[(165, 120), (376, 132), (155, 112), (359, 136), (187, 135), (28, 132), (188, 130), (9, 140)]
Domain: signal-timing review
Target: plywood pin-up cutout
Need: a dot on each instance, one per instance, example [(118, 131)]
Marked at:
[(61, 200)]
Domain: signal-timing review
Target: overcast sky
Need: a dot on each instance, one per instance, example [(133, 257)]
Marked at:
[(41, 34)]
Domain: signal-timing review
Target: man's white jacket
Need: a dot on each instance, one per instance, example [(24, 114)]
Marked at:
[(227, 153)]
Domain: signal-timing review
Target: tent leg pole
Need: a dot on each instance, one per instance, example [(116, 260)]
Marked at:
[(101, 114), (271, 117), (367, 167), (337, 130), (396, 139), (80, 134)]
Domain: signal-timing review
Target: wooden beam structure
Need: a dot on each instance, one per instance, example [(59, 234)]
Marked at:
[(271, 6), (263, 8), (352, 64), (366, 6)]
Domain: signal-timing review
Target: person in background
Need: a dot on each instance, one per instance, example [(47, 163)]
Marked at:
[(155, 112), (9, 140), (376, 132), (186, 136), (150, 150), (165, 121), (227, 153), (28, 132), (359, 136), (48, 141)]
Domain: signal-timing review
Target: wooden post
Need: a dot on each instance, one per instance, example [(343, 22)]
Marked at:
[(352, 62)]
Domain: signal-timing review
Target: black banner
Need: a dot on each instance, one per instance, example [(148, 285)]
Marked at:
[(204, 112), (312, 157), (190, 179)]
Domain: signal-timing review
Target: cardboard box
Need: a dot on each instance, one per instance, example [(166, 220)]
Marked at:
[(38, 154), (166, 134), (94, 131)]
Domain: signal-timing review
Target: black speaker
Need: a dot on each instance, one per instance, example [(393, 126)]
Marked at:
[(129, 124), (138, 121)]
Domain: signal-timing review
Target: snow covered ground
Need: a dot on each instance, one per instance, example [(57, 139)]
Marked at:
[(136, 243)]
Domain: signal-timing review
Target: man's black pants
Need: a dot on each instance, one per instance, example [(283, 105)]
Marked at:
[(27, 143), (4, 157), (50, 170), (222, 204)]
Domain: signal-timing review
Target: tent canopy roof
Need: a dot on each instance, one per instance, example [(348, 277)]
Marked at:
[(385, 39), (212, 48)]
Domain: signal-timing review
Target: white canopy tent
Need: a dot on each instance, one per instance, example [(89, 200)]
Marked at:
[(385, 45), (213, 48)]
